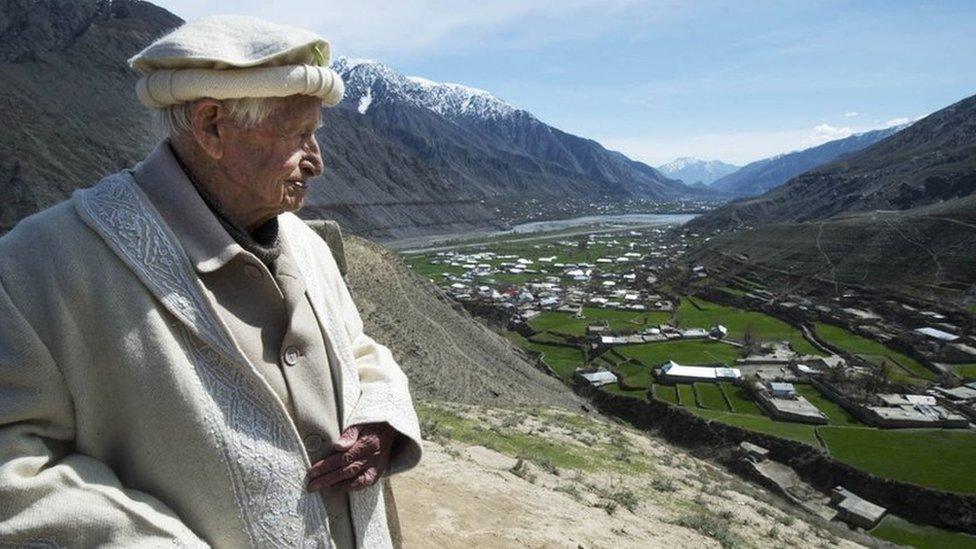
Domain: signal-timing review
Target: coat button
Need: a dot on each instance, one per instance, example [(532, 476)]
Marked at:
[(313, 443), (291, 355)]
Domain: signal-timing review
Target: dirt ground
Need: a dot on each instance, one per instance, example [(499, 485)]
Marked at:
[(469, 496)]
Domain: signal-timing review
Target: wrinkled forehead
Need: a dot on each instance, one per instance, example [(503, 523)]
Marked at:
[(297, 111)]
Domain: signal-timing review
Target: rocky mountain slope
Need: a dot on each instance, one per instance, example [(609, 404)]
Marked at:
[(931, 161), (762, 175), (67, 103), (925, 252), (693, 170)]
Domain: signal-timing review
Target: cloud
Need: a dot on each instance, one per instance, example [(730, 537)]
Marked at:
[(898, 122), (735, 147), (851, 114), (391, 28), (825, 132)]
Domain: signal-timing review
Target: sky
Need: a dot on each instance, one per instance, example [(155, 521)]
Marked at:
[(659, 79)]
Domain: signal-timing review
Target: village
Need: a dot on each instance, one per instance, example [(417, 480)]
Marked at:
[(881, 384)]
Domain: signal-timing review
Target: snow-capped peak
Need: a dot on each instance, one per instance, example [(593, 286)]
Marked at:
[(369, 83), (691, 169)]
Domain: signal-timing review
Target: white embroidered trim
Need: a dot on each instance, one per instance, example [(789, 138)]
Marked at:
[(262, 454)]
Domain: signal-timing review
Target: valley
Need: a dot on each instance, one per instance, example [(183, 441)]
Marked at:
[(609, 310)]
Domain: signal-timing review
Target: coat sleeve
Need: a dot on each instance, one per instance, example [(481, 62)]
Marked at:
[(50, 495), (385, 390)]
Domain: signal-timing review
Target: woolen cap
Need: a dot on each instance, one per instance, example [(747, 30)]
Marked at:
[(232, 56)]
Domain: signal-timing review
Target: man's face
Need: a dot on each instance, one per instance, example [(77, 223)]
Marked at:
[(267, 167)]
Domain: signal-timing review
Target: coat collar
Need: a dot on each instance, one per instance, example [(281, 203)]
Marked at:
[(197, 229)]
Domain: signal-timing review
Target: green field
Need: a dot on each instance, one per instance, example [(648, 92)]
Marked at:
[(563, 360), (686, 394), (615, 389), (422, 266), (634, 375), (620, 321), (741, 403), (666, 393), (688, 351), (966, 371), (732, 291), (929, 457), (762, 424), (902, 532), (836, 414), (710, 395), (855, 344), (739, 321)]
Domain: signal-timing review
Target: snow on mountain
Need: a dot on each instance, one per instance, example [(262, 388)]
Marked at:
[(693, 170), (369, 81)]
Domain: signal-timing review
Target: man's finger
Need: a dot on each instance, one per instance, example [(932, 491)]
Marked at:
[(327, 465), (366, 478), (348, 438), (349, 472)]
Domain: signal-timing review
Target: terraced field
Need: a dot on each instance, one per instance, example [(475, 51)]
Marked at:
[(855, 344), (686, 395), (836, 414), (741, 403), (635, 375), (739, 322), (563, 360), (619, 321), (966, 371), (762, 424), (930, 457), (689, 351), (902, 532), (667, 393), (710, 396)]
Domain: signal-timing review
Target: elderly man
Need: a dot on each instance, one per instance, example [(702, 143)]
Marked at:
[(180, 360)]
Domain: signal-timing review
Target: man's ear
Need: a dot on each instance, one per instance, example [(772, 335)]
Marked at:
[(208, 124)]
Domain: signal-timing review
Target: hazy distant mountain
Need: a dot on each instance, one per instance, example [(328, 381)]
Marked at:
[(931, 161), (760, 176), (693, 170)]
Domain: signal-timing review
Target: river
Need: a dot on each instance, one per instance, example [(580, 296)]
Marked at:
[(591, 222)]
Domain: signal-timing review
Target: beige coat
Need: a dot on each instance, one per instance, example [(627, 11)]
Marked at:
[(128, 414)]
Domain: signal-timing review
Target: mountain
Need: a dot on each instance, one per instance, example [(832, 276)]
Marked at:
[(404, 156), (410, 156), (897, 216), (931, 161), (762, 175), (70, 114), (692, 170), (924, 252)]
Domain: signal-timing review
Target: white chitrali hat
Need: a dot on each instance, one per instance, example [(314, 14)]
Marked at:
[(230, 56)]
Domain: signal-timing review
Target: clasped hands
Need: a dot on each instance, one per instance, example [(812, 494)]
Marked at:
[(361, 456)]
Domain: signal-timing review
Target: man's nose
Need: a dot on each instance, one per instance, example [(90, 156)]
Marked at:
[(312, 164)]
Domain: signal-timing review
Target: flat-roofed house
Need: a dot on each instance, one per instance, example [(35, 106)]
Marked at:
[(672, 372)]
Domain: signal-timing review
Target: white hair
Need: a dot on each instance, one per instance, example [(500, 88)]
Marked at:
[(248, 111)]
